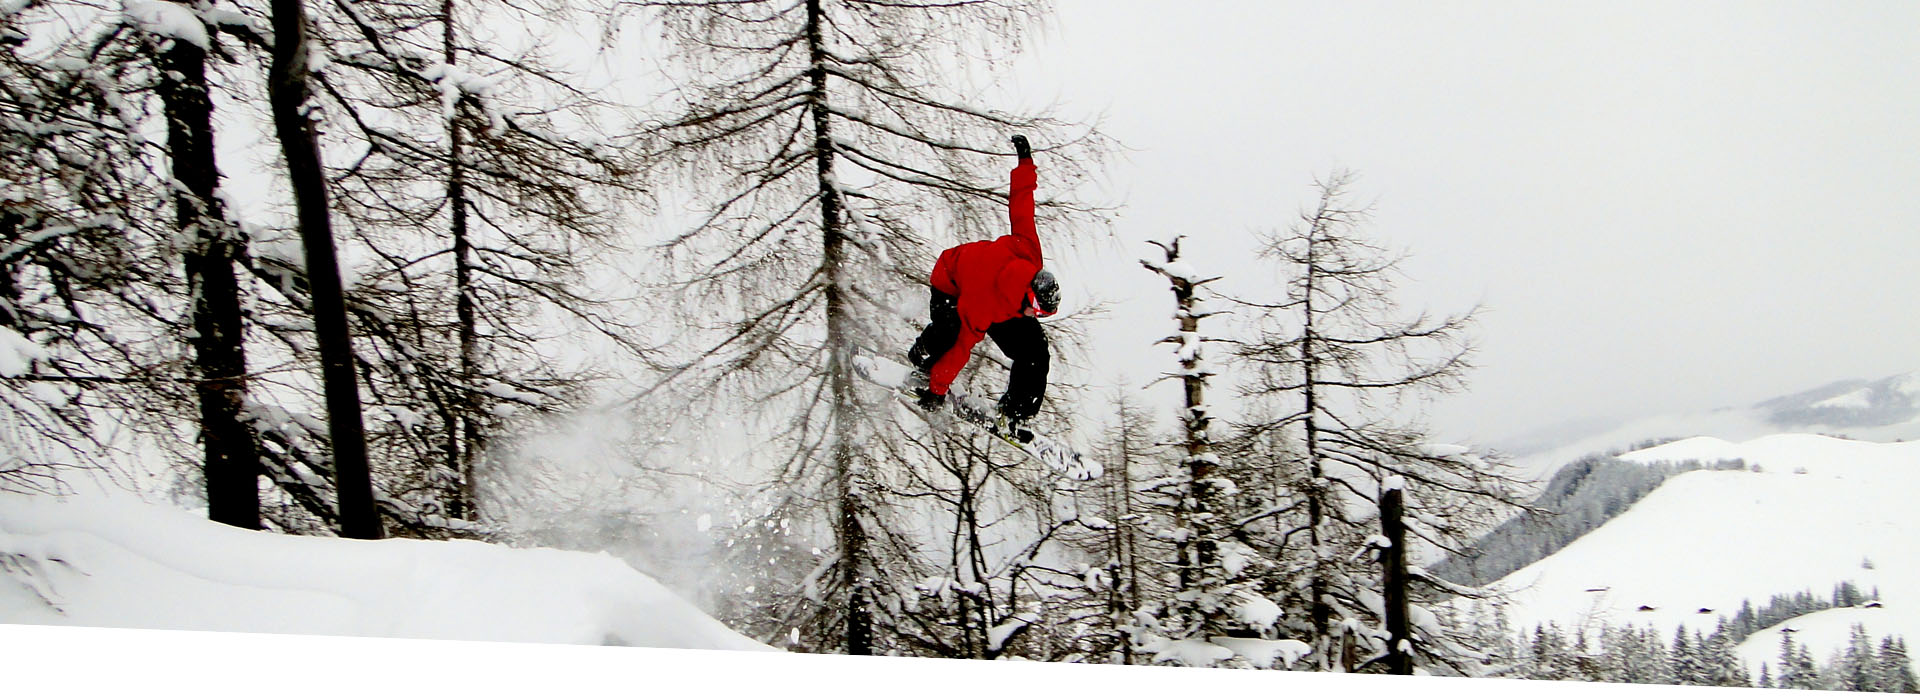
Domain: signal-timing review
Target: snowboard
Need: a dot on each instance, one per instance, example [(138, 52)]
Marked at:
[(982, 415)]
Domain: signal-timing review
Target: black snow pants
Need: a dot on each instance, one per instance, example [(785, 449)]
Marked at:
[(1020, 338)]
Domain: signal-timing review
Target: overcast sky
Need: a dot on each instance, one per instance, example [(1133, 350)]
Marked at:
[(1664, 206)]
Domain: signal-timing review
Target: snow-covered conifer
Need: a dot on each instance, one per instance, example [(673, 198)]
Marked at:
[(1217, 595), (1797, 670), (1855, 670), (1893, 670)]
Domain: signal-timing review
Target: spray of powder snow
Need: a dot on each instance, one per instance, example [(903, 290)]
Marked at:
[(639, 489)]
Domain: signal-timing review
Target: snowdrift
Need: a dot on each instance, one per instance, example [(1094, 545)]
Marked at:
[(113, 561), (1815, 511)]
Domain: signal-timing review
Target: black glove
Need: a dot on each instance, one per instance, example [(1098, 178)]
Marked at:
[(928, 400), (1021, 148)]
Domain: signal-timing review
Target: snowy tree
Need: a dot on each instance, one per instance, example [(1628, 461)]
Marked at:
[(155, 57), (1687, 669), (106, 209), (1855, 671), (1492, 632), (1328, 357), (85, 247), (1649, 660), (830, 158), (1033, 565), (1553, 656), (1633, 655), (1797, 670), (1216, 595), (1893, 671), (481, 189), (1658, 659), (1136, 570), (232, 464), (1722, 667), (377, 79)]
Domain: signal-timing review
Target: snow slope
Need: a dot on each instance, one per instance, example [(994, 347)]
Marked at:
[(1816, 511), (113, 561)]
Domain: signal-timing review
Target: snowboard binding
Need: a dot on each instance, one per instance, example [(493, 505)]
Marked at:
[(985, 416)]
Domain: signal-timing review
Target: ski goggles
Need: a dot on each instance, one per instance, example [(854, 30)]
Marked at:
[(1033, 307)]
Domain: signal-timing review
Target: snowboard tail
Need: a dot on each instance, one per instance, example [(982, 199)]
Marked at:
[(982, 415)]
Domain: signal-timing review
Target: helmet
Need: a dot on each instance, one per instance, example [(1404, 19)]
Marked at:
[(1043, 294)]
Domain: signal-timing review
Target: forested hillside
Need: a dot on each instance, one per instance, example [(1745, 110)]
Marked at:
[(1581, 496)]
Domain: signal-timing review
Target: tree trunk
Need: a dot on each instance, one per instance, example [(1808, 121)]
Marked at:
[(1320, 610), (10, 274), (1199, 508), (232, 462), (1126, 575), (853, 538), (464, 434), (1200, 460), (1394, 562), (289, 94)]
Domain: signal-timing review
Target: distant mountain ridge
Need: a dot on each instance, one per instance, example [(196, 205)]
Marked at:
[(1849, 404), (1879, 410)]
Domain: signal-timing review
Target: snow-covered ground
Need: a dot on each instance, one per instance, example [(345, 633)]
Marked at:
[(113, 561), (1815, 511)]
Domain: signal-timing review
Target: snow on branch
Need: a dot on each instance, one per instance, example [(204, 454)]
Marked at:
[(998, 637), (1262, 653), (168, 19)]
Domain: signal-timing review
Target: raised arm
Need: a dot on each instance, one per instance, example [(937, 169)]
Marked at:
[(1020, 201)]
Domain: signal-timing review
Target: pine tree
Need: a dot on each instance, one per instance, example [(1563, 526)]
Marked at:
[(1659, 662), (1504, 652), (1857, 662), (1893, 671), (1325, 357), (1553, 658), (1610, 663), (1745, 622), (1797, 671), (1723, 668), (1686, 664), (1216, 577)]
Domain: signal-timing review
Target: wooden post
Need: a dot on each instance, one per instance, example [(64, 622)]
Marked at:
[(1394, 560)]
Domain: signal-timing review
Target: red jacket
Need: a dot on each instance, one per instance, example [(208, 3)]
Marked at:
[(989, 277)]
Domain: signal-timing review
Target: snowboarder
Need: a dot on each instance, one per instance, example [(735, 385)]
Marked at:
[(996, 289)]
